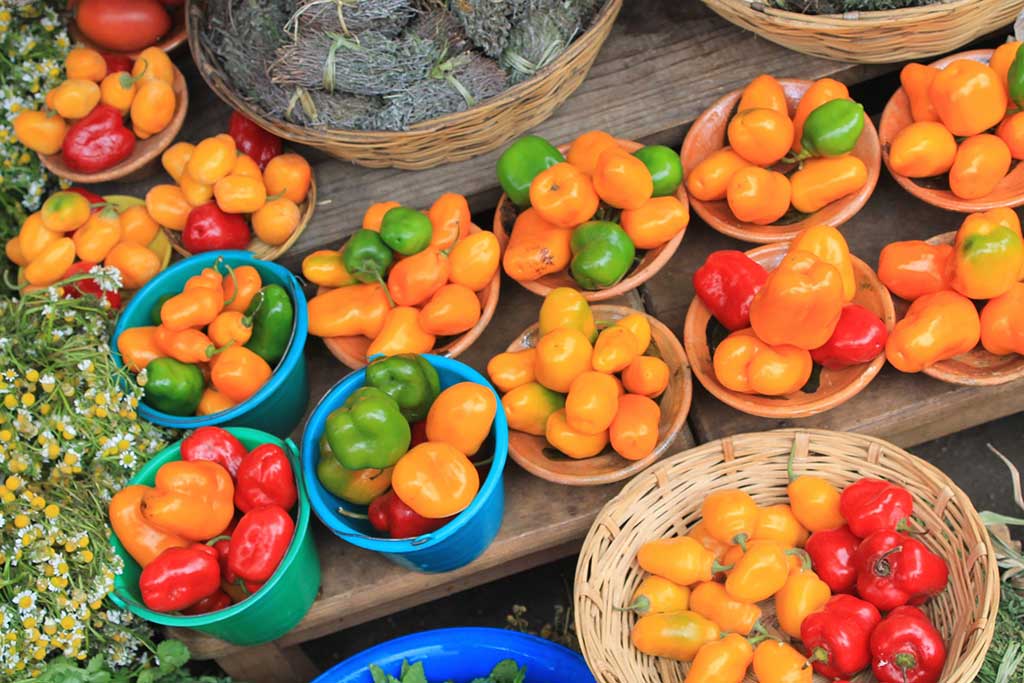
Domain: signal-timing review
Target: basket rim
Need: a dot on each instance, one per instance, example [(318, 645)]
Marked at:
[(862, 17)]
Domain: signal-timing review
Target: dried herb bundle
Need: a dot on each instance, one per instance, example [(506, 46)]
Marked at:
[(440, 26), (488, 23), (318, 109), (245, 35), (841, 6), (536, 40), (351, 16)]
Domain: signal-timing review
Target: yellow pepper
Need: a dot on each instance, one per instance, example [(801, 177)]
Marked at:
[(401, 333), (802, 595), (760, 572), (989, 254), (744, 363), (566, 307), (936, 327), (512, 369), (678, 635), (657, 595), (710, 599), (800, 303), (777, 662), (616, 347), (572, 443), (829, 245), (778, 523), (562, 355), (528, 407), (722, 661)]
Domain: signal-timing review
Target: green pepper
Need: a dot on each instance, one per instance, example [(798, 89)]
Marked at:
[(154, 313), (368, 430), (173, 387), (832, 129), (665, 167), (366, 256), (1015, 80), (521, 162), (360, 487), (406, 231), (273, 317), (602, 254), (409, 379)]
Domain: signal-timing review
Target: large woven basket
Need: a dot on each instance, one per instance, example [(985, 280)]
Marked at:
[(449, 138), (872, 37), (665, 500)]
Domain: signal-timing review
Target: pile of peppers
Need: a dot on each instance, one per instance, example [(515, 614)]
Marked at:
[(406, 280), (406, 448), (212, 345), (832, 562), (783, 322), (589, 211), (814, 147), (214, 526), (945, 284)]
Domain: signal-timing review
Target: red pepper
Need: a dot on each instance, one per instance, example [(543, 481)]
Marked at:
[(907, 648), (207, 228), (97, 141), (223, 548), (419, 433), (837, 638), (116, 62), (250, 139), (265, 478), (727, 283), (211, 603), (859, 338), (871, 505), (894, 569), (832, 554), (216, 445), (179, 578), (389, 514), (260, 542), (80, 288)]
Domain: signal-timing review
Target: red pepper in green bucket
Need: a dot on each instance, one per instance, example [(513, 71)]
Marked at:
[(216, 445), (265, 477), (179, 578), (259, 543)]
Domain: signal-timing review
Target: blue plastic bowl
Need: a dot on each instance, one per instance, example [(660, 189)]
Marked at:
[(454, 545), (462, 654), (279, 406)]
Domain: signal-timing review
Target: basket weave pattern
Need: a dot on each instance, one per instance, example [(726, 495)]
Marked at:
[(873, 37), (665, 501)]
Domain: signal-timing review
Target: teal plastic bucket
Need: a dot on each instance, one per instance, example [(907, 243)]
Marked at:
[(279, 406), (454, 545), (269, 613)]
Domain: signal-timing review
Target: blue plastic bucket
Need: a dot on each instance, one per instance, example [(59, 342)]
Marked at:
[(454, 545), (462, 654), (279, 406)]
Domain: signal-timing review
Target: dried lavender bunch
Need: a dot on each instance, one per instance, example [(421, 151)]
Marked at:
[(318, 109), (439, 26), (348, 17), (539, 38), (488, 23), (244, 34), (840, 6)]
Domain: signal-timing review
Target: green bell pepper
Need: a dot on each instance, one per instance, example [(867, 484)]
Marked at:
[(368, 431), (366, 256), (409, 379), (173, 387), (602, 254), (665, 166), (154, 313), (521, 162), (273, 317), (360, 487), (406, 231), (1015, 80), (832, 129)]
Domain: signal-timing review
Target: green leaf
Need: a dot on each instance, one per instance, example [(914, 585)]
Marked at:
[(414, 673), (172, 654), (508, 671), (378, 675), (95, 664)]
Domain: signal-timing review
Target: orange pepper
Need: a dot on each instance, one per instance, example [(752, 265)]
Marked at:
[(435, 480), (153, 106), (821, 91), (118, 90), (778, 523), (238, 373), (1002, 322), (588, 148), (153, 63), (450, 219), (95, 239), (208, 277), (622, 180), (240, 194), (246, 166), (757, 195), (647, 376), (85, 63), (989, 254), (729, 515), (191, 499), (1011, 131), (474, 260), (570, 442), (143, 541), (682, 560), (778, 662), (168, 206), (414, 280), (41, 132), (401, 333), (722, 661), (137, 264), (760, 572), (213, 401), (137, 346), (674, 635), (65, 211), (528, 407), (289, 174), (326, 268), (803, 594), (917, 80), (936, 327), (276, 221), (512, 369), (710, 600), (566, 307), (34, 237), (562, 355), (563, 196), (197, 307), (968, 97), (175, 159), (51, 263), (374, 215), (764, 92), (247, 282), (814, 501), (592, 402), (212, 159), (14, 252), (761, 136), (461, 416), (799, 304), (923, 150), (829, 245), (536, 248), (640, 326), (74, 98), (634, 431), (1002, 60), (656, 222), (744, 363), (914, 268), (230, 327), (616, 347), (349, 311), (709, 179), (980, 165), (453, 309), (138, 226), (186, 346), (657, 595), (822, 181)]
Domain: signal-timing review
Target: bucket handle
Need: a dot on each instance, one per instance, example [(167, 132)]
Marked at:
[(419, 540)]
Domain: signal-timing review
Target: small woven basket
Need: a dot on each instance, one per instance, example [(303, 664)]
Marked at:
[(665, 500), (446, 139), (873, 37)]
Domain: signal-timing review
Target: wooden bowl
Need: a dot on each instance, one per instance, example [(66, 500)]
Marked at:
[(834, 387), (896, 117), (352, 350), (540, 459), (651, 262), (708, 135), (145, 151), (176, 36)]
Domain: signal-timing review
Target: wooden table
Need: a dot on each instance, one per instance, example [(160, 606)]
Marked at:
[(665, 61)]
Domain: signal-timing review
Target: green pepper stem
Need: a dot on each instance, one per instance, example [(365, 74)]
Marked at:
[(805, 557), (642, 605), (761, 634), (483, 463), (717, 568), (216, 539), (234, 280), (212, 350), (741, 541)]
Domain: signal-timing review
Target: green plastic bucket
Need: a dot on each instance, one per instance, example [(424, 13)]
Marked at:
[(264, 616)]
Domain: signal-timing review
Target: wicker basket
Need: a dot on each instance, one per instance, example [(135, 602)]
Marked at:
[(665, 500), (449, 138), (873, 37)]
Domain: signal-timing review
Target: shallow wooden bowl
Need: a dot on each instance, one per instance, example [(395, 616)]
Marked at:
[(708, 135), (652, 261), (145, 152), (352, 350), (535, 455), (896, 117), (177, 35), (835, 386)]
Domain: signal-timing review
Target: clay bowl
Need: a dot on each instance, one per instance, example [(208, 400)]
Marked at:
[(176, 36), (352, 350), (535, 455), (650, 263), (896, 117), (708, 135), (834, 387), (145, 152)]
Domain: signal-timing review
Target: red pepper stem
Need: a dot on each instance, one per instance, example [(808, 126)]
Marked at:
[(216, 539), (789, 464), (881, 566), (642, 605), (819, 654), (805, 557), (353, 515), (716, 567), (905, 661)]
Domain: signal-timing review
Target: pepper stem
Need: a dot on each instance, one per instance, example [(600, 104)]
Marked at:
[(761, 634), (905, 661), (642, 605), (717, 568), (741, 541), (212, 350), (805, 557), (881, 566), (234, 280), (353, 515), (216, 539), (819, 654)]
